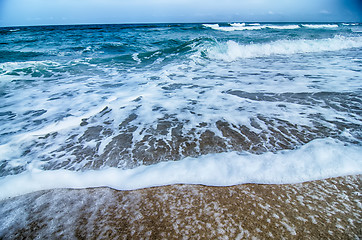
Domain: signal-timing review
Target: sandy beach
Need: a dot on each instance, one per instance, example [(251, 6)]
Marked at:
[(324, 209)]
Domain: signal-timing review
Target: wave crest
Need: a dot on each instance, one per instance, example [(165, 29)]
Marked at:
[(256, 26), (232, 50), (320, 25), (252, 26)]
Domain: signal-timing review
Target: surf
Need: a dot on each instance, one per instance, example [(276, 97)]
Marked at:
[(231, 50), (318, 159)]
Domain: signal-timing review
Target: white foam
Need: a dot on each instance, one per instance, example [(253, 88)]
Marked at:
[(231, 50), (238, 24), (320, 25), (136, 58), (318, 159), (211, 25), (349, 24), (287, 27), (254, 26), (235, 27), (257, 26)]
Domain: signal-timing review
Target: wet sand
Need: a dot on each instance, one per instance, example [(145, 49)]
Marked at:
[(324, 209)]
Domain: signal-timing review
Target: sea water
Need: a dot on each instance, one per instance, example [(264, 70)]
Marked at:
[(133, 106)]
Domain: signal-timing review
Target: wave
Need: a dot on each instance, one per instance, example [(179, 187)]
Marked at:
[(320, 25), (257, 26), (32, 69), (319, 159), (231, 50), (234, 27), (17, 63), (350, 24), (168, 50), (287, 27), (18, 56), (253, 26), (111, 47)]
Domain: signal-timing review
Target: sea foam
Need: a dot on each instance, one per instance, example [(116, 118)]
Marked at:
[(319, 159), (235, 27), (320, 25), (253, 26), (232, 50)]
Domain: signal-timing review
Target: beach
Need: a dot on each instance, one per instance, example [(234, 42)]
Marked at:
[(323, 209)]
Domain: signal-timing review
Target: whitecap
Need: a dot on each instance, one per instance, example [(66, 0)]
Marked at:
[(282, 27), (234, 27), (232, 50), (320, 25)]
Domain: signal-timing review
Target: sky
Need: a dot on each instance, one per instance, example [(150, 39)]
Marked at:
[(58, 12)]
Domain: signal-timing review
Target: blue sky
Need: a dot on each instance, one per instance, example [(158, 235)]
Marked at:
[(48, 12)]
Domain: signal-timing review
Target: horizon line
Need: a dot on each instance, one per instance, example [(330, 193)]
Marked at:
[(159, 23)]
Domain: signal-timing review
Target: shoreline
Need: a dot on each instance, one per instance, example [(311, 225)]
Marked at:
[(319, 209), (318, 159)]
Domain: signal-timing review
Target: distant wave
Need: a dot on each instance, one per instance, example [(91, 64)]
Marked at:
[(349, 24), (231, 50), (253, 26), (234, 27), (320, 25), (283, 26), (257, 26)]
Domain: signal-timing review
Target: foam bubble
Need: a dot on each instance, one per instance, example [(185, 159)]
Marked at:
[(318, 159)]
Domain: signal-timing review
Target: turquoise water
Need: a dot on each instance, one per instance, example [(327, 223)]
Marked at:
[(94, 97)]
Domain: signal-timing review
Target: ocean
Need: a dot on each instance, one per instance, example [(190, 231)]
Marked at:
[(136, 106)]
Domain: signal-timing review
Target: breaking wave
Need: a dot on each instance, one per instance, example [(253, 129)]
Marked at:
[(232, 50), (316, 160), (320, 25), (257, 26)]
